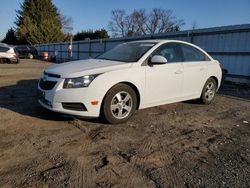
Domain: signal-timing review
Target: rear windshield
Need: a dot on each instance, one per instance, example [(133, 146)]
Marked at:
[(127, 52), (4, 49)]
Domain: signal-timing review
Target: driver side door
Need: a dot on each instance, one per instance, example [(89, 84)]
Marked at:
[(164, 81)]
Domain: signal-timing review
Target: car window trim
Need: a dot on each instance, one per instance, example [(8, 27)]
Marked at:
[(183, 58), (178, 53)]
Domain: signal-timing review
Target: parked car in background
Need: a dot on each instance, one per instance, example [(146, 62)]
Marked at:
[(27, 51), (133, 75), (3, 44), (8, 54)]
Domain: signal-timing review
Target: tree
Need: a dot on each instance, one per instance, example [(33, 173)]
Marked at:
[(140, 23), (10, 37), (39, 22), (139, 19), (67, 24), (101, 34), (161, 21), (194, 25), (97, 34), (121, 23)]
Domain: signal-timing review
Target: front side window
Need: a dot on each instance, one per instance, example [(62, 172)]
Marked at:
[(192, 54), (170, 51), (127, 52)]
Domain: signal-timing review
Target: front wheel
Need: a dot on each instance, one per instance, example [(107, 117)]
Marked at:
[(209, 91), (119, 104), (5, 60)]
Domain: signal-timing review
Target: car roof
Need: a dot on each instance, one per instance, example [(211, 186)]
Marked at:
[(7, 46), (161, 41), (3, 45)]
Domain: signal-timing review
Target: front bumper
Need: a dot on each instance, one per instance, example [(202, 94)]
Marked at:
[(53, 99)]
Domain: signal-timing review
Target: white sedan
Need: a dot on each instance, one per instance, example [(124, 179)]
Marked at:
[(8, 54), (131, 76)]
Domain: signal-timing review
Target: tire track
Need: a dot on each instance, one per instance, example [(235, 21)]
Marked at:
[(83, 175)]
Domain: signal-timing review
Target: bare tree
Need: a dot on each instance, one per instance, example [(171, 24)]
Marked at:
[(194, 25), (139, 18), (120, 24), (67, 23), (140, 23), (161, 21)]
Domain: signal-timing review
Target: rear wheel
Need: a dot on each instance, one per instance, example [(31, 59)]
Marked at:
[(119, 104), (209, 91)]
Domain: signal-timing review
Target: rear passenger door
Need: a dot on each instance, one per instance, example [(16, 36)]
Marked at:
[(195, 71)]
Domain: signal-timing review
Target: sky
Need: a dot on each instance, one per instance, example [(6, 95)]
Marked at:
[(96, 14)]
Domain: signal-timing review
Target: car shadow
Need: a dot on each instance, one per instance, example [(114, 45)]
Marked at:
[(193, 101), (22, 98)]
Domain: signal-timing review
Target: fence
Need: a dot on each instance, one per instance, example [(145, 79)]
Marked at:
[(228, 44)]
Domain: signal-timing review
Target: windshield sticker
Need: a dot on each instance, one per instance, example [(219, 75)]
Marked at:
[(147, 45)]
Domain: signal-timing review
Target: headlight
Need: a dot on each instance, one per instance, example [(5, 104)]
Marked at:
[(79, 82)]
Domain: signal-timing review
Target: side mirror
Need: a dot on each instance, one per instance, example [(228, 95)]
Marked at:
[(158, 59)]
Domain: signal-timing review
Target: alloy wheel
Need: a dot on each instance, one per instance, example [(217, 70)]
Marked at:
[(121, 105), (210, 91)]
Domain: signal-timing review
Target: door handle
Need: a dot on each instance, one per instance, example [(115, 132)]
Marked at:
[(178, 72)]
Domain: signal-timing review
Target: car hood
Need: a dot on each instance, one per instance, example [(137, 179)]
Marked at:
[(86, 67)]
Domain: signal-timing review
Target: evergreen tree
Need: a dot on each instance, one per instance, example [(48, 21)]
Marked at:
[(38, 22), (10, 37), (97, 34)]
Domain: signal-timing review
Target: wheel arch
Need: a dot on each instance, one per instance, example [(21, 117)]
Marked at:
[(216, 80), (213, 77), (138, 96)]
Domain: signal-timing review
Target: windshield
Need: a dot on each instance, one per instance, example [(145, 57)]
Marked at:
[(127, 52)]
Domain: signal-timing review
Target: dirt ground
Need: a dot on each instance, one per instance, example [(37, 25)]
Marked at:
[(185, 144)]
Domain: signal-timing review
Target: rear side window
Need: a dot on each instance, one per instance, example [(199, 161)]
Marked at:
[(20, 48), (4, 49), (170, 51), (192, 54), (32, 48)]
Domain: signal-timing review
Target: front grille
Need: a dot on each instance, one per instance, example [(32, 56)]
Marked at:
[(47, 85), (74, 106), (52, 75)]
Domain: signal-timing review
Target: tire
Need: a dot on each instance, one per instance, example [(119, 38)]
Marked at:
[(30, 56), (209, 91), (5, 60), (119, 104), (8, 61)]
